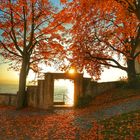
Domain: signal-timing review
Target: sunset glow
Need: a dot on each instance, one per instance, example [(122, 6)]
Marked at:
[(12, 77), (70, 87), (72, 71), (65, 90)]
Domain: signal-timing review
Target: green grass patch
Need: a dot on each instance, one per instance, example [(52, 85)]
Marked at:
[(125, 126)]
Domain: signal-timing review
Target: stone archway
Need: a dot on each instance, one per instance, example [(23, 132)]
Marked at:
[(41, 96)]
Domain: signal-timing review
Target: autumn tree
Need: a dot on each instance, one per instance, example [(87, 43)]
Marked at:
[(104, 35), (28, 37), (132, 6)]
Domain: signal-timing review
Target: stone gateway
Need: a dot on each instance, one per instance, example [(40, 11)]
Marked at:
[(41, 96)]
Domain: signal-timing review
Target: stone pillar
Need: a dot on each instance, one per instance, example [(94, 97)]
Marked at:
[(32, 92), (49, 87), (40, 100), (78, 87)]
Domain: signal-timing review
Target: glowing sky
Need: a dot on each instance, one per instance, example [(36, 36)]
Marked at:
[(7, 76), (10, 76)]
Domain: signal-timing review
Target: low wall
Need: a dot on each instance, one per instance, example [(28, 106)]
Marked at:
[(8, 99), (32, 96), (93, 88), (39, 96)]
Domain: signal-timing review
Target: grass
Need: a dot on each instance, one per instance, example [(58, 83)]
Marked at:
[(121, 93), (122, 127), (125, 126), (116, 95)]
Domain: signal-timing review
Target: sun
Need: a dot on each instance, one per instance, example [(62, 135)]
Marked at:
[(72, 71)]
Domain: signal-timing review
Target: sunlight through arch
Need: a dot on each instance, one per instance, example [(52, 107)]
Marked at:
[(64, 92)]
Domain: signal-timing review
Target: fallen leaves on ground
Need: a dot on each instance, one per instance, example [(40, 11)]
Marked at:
[(61, 124), (31, 124)]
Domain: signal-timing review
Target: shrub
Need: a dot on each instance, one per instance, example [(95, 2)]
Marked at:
[(84, 101), (123, 83)]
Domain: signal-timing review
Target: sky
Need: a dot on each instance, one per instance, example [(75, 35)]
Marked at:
[(7, 76), (11, 77)]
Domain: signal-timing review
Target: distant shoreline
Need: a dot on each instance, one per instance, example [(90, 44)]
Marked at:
[(8, 94), (8, 83), (8, 88)]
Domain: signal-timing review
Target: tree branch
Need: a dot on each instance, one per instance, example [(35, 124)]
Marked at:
[(13, 32), (107, 43), (106, 59), (9, 50), (137, 54), (25, 26), (32, 29), (41, 23), (36, 60)]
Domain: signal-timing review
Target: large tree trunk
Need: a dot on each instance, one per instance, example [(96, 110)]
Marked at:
[(21, 96), (131, 71), (138, 10)]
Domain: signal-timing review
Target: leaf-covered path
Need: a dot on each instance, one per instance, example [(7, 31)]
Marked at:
[(31, 124), (60, 123)]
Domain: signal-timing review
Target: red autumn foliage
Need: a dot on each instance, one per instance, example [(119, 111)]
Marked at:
[(104, 34), (28, 37), (131, 6)]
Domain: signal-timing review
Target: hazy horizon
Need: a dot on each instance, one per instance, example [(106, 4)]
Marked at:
[(12, 77)]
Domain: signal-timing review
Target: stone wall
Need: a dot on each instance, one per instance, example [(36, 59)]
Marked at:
[(93, 88), (37, 96), (32, 96), (41, 96), (8, 99)]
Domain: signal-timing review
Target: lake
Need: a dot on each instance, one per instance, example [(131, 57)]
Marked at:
[(60, 91), (8, 88)]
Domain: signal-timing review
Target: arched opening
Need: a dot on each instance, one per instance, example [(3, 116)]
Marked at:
[(63, 92)]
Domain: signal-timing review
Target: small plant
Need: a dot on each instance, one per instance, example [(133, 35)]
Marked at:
[(84, 101), (123, 83), (135, 84)]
